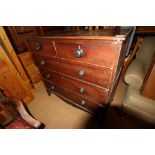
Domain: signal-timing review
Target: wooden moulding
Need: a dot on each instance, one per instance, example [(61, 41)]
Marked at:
[(11, 81), (14, 57), (30, 67)]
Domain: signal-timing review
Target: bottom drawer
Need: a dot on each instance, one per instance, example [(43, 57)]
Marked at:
[(80, 88), (76, 99)]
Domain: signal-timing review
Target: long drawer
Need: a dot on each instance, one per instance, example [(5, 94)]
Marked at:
[(95, 53), (78, 100), (96, 75), (41, 46), (91, 92)]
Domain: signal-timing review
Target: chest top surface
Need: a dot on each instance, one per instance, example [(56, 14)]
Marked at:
[(118, 34)]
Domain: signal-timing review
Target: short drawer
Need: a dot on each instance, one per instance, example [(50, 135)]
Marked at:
[(78, 100), (91, 92), (46, 62), (41, 46), (88, 52), (96, 75)]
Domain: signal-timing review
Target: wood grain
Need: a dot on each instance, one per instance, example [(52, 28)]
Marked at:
[(11, 82), (30, 67), (99, 76), (46, 47), (91, 92), (72, 97), (102, 59), (94, 53)]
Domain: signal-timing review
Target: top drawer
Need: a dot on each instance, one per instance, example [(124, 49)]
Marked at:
[(87, 52), (41, 46)]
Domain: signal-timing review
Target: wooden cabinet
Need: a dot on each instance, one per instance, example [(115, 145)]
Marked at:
[(82, 68), (30, 67), (13, 79), (11, 82)]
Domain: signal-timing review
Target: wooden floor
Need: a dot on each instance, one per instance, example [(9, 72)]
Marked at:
[(56, 114)]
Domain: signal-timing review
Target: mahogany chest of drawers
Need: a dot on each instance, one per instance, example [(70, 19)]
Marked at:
[(81, 68)]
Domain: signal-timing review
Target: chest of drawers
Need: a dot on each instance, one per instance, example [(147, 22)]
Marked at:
[(81, 68)]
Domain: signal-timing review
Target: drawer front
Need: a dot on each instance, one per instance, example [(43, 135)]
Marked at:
[(46, 62), (96, 75), (41, 46), (92, 53), (85, 90), (79, 100)]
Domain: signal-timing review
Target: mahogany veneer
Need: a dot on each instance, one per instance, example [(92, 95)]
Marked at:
[(100, 78), (42, 46), (82, 68), (94, 53), (92, 92), (72, 97)]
